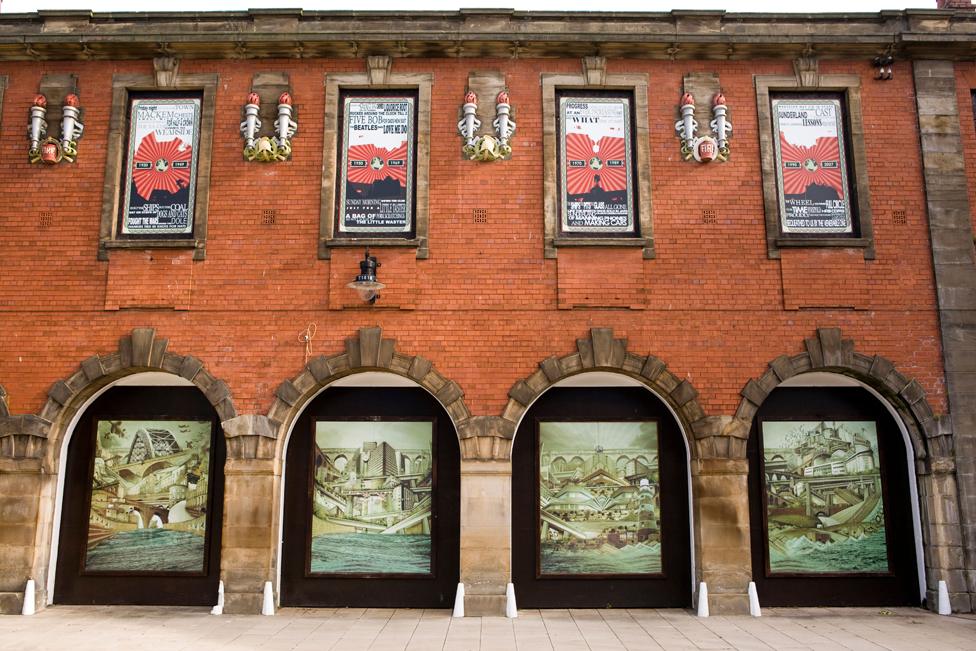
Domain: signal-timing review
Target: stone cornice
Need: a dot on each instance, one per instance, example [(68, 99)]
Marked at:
[(294, 33)]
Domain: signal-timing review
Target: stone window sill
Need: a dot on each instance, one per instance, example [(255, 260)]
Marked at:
[(836, 242), (199, 246), (642, 242), (374, 242)]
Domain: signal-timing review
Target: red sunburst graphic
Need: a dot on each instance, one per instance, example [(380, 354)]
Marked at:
[(369, 163), (583, 164), (161, 165), (818, 164)]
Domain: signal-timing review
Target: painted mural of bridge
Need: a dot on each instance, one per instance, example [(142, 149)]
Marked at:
[(147, 475)]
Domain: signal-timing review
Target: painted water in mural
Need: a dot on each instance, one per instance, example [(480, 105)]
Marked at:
[(825, 509), (148, 510), (599, 506), (371, 506)]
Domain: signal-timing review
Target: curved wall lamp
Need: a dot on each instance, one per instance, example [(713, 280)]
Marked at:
[(366, 284)]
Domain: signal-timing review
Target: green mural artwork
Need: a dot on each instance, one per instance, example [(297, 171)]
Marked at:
[(148, 507), (372, 494), (599, 506), (824, 501)]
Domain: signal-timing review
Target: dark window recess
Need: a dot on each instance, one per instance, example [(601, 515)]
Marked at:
[(586, 586), (302, 584), (596, 155), (815, 181), (79, 579)]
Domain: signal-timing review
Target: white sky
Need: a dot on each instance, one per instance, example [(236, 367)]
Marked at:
[(14, 6)]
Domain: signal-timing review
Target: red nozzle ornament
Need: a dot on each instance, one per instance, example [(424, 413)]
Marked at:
[(502, 97), (285, 98)]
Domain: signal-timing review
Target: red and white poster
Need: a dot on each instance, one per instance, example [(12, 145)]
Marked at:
[(162, 166), (811, 167), (597, 192), (377, 165)]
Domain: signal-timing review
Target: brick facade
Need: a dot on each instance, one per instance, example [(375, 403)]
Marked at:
[(487, 310)]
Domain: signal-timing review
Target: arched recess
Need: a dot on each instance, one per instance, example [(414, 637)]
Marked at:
[(604, 373), (41, 439), (368, 355), (714, 436), (929, 438), (827, 350), (368, 351)]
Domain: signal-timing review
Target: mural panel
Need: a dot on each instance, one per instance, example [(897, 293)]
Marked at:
[(824, 498), (148, 506), (599, 506), (372, 489)]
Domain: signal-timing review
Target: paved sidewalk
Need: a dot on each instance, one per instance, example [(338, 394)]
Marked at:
[(125, 628)]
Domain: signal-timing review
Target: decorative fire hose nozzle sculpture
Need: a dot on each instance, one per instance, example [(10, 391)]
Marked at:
[(707, 148), (268, 149), (52, 151), (469, 124), (687, 126), (721, 127), (486, 147), (504, 124)]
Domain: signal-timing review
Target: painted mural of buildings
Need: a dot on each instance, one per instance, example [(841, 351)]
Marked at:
[(823, 487), (364, 486), (596, 500)]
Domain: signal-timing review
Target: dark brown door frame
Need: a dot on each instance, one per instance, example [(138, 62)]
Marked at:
[(674, 588), (74, 586), (298, 587), (898, 588)]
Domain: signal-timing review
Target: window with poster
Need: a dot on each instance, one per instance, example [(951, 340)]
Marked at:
[(814, 163), (813, 171), (375, 172), (597, 164), (160, 168), (156, 189)]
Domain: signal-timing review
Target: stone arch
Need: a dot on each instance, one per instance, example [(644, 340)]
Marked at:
[(930, 436), (29, 435), (828, 351), (264, 436), (600, 351)]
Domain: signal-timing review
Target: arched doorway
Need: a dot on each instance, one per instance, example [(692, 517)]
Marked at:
[(141, 509), (372, 488), (831, 500), (600, 506)]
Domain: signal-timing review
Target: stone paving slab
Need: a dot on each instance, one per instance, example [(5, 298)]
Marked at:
[(150, 628)]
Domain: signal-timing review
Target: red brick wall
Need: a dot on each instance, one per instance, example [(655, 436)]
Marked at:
[(486, 306)]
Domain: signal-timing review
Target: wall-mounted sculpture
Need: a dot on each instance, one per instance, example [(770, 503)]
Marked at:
[(50, 150)]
